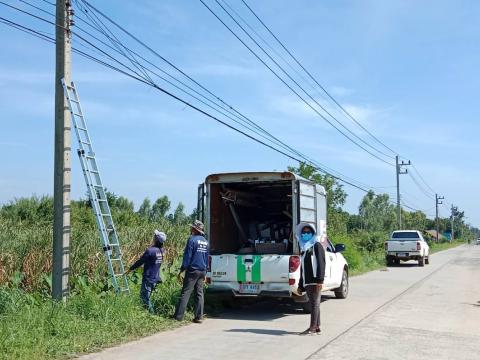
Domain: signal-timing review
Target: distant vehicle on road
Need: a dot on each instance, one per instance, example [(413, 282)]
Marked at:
[(478, 241), (250, 220), (407, 245)]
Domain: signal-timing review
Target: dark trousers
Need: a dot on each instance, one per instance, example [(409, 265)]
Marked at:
[(193, 280), (314, 296), (145, 293)]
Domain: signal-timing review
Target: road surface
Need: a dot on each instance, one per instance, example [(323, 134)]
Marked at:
[(406, 312)]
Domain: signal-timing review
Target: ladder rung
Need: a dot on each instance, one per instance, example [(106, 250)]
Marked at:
[(81, 128), (85, 142), (104, 214), (77, 114), (99, 186), (94, 171)]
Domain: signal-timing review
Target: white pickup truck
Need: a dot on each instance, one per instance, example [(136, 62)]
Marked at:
[(250, 221), (407, 245)]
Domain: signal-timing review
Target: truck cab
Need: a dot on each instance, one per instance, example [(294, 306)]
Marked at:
[(250, 223)]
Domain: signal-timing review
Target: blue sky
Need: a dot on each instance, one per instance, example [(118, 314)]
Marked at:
[(407, 70)]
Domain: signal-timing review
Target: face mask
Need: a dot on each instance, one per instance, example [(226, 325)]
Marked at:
[(306, 236)]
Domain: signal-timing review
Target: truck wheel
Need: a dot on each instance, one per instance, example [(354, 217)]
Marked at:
[(427, 260), (390, 261), (421, 261), (342, 291)]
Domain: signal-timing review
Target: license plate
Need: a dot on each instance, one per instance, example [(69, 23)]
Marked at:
[(402, 254), (249, 288)]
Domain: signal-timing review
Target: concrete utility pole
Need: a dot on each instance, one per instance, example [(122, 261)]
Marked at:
[(61, 187), (437, 202), (398, 173), (453, 210)]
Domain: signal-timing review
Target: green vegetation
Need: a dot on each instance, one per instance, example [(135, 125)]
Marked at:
[(365, 234), (34, 327)]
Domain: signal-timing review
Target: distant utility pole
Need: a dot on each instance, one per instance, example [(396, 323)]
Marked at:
[(437, 202), (61, 187), (453, 210), (400, 172)]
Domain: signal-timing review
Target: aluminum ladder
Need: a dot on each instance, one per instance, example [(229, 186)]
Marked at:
[(96, 191)]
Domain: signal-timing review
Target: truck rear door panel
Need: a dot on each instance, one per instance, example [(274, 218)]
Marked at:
[(250, 268)]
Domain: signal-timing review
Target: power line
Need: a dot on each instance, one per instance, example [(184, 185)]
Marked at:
[(294, 81), (138, 77), (423, 179), (149, 81), (194, 81), (316, 81), (422, 189)]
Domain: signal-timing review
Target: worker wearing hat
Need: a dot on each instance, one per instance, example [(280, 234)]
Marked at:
[(151, 260), (195, 263)]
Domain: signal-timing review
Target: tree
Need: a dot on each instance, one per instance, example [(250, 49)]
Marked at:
[(160, 208), (376, 212), (179, 216), (145, 209), (416, 220)]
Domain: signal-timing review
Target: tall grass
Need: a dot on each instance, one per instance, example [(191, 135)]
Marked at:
[(32, 326)]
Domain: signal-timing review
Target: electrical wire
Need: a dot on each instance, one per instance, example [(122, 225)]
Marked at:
[(423, 180), (191, 79), (138, 77), (316, 81), (294, 81)]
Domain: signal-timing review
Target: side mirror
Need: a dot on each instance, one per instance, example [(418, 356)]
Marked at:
[(339, 247)]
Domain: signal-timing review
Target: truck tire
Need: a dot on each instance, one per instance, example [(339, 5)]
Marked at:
[(427, 260), (342, 291), (421, 261), (390, 261)]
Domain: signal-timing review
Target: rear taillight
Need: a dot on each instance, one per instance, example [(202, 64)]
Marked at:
[(293, 263), (209, 280), (386, 246), (291, 281), (209, 268), (418, 246)]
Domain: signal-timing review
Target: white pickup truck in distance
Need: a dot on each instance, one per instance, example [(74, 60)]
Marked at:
[(407, 245)]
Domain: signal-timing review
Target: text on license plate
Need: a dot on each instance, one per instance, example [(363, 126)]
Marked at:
[(402, 254), (249, 288)]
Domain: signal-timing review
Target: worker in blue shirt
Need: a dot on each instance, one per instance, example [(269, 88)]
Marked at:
[(195, 263), (151, 260)]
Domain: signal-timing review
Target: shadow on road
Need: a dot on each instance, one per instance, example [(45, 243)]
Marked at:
[(263, 332), (265, 309), (405, 265)]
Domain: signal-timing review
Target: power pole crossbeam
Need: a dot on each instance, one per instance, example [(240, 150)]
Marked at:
[(62, 157)]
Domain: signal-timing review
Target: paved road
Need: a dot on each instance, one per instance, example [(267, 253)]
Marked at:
[(406, 312)]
